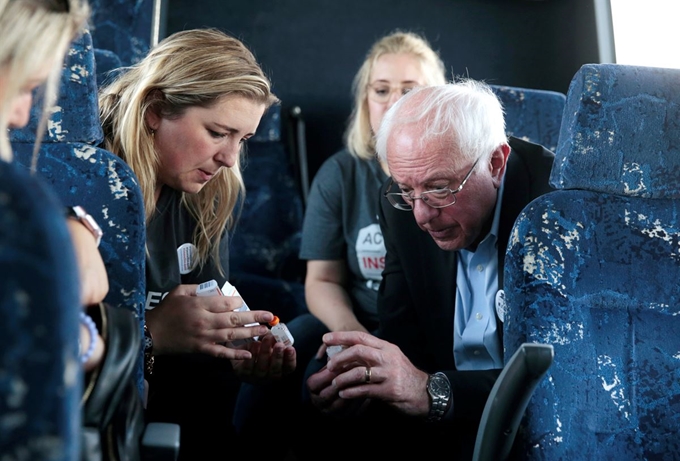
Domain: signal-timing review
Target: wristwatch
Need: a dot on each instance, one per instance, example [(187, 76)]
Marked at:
[(86, 220), (148, 352), (439, 389)]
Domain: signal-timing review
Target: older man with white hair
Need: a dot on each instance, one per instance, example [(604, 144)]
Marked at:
[(457, 185)]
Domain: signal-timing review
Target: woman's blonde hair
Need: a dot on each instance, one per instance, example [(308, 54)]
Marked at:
[(33, 34), (359, 136), (192, 68)]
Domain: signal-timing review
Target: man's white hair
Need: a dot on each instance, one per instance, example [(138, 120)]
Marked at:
[(467, 114)]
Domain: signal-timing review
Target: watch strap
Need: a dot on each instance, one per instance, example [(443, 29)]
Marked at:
[(148, 353), (79, 213), (439, 397)]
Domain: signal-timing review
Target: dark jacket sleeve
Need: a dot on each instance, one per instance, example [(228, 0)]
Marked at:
[(469, 390), (398, 323)]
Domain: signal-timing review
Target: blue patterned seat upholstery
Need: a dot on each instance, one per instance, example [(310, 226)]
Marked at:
[(40, 385), (107, 64), (264, 265), (532, 115), (593, 268), (83, 174), (125, 27)]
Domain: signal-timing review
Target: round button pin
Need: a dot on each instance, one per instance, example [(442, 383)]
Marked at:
[(501, 307)]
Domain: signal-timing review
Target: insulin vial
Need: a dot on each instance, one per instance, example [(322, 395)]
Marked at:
[(332, 350), (209, 288), (281, 332)]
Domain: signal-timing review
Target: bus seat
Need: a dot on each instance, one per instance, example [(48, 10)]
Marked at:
[(532, 115), (40, 387), (593, 268), (125, 27), (83, 174), (264, 245), (107, 63)]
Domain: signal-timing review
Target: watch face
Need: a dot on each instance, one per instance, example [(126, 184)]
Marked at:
[(439, 386), (88, 221), (148, 343)]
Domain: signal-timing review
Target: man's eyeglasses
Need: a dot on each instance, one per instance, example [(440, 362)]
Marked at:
[(381, 92), (437, 198)]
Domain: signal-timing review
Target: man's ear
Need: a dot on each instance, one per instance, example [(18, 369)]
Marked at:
[(498, 161)]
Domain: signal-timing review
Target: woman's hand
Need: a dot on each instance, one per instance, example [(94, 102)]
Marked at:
[(270, 361), (186, 323)]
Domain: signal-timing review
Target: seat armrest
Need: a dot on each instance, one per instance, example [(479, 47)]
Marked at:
[(508, 400), (160, 442)]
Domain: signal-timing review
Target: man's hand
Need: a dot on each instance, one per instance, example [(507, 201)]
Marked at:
[(368, 369)]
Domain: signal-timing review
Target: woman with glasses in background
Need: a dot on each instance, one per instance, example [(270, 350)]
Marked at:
[(341, 238)]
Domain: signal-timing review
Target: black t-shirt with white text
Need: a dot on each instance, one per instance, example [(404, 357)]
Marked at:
[(195, 390)]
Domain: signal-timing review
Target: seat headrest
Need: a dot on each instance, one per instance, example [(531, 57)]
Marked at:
[(531, 114), (620, 132), (76, 115), (269, 129), (107, 64)]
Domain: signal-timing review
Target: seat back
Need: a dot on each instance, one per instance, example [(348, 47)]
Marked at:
[(264, 246), (593, 269), (83, 174), (125, 27), (532, 115), (107, 64), (40, 386), (269, 230)]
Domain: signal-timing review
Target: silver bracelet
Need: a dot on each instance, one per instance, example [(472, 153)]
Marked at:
[(94, 333)]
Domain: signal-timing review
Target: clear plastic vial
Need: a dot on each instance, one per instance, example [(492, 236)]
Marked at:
[(332, 350), (281, 332)]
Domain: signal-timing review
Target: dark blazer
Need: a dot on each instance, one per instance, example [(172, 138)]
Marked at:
[(417, 295)]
